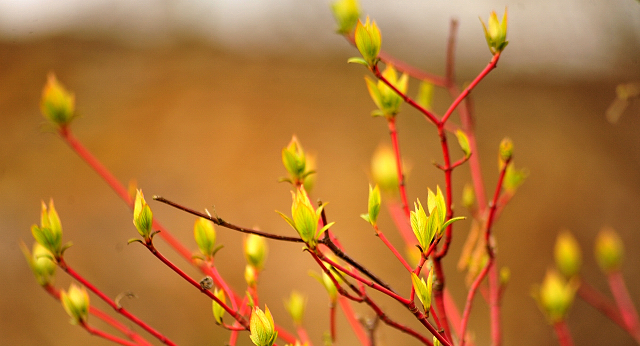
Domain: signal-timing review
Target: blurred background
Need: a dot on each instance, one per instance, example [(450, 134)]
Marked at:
[(195, 100)]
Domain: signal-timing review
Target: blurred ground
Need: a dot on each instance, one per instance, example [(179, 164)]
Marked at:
[(205, 127)]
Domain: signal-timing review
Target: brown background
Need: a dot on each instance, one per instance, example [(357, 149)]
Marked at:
[(205, 126)]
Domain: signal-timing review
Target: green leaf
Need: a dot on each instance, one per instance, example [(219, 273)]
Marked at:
[(463, 141), (358, 60)]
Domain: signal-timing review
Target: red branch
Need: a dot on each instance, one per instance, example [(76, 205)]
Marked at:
[(63, 265)]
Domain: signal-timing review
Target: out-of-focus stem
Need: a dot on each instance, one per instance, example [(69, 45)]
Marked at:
[(360, 333), (401, 181), (596, 299), (470, 295), (624, 302), (563, 333)]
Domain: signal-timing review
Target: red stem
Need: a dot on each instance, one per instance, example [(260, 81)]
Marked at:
[(624, 302), (63, 265), (430, 116), (105, 318), (396, 325), (563, 333), (122, 192), (107, 336), (353, 321), (304, 337), (438, 289), (196, 284), (596, 299), (392, 248), (492, 64), (401, 181), (361, 279), (470, 295)]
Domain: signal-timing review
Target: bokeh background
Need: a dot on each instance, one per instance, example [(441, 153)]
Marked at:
[(195, 100)]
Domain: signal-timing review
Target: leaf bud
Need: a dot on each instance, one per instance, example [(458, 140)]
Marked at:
[(250, 275), (567, 254), (205, 235), (41, 263), (555, 296), (262, 327), (76, 303), (296, 306), (255, 251), (295, 162), (142, 216), (496, 33), (368, 41), (468, 196), (374, 206), (463, 141), (327, 283), (49, 234), (304, 218), (383, 169), (57, 104), (609, 250), (385, 98), (423, 289), (505, 152), (218, 310), (346, 13)]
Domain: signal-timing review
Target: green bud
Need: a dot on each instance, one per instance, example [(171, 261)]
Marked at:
[(463, 141), (304, 218), (506, 151), (49, 234), (383, 169), (555, 297), (436, 342), (205, 236), (419, 221), (368, 42), (385, 98), (250, 275), (310, 176), (262, 327), (423, 289), (609, 250), (218, 310), (505, 275), (295, 162), (41, 263), (374, 206), (496, 33), (327, 283), (437, 205), (76, 303), (513, 178), (142, 216), (468, 196), (255, 251), (567, 254), (295, 306), (346, 13), (57, 104)]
